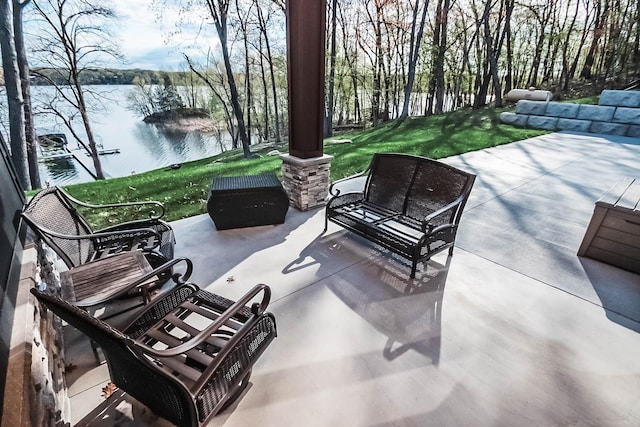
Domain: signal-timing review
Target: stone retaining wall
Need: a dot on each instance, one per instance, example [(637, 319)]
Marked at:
[(617, 113)]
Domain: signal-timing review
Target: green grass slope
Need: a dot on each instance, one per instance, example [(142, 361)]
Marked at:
[(184, 191)]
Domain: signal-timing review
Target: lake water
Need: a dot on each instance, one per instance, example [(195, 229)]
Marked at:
[(142, 146)]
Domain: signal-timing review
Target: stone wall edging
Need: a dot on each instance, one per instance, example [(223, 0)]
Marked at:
[(617, 113)]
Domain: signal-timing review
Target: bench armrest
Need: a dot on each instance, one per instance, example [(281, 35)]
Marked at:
[(336, 192), (428, 228)]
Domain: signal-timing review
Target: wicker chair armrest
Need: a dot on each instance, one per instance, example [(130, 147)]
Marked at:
[(177, 277), (336, 192), (133, 225), (257, 309), (105, 235), (427, 227), (151, 203)]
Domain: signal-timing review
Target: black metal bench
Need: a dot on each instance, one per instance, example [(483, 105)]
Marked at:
[(410, 205), (247, 201)]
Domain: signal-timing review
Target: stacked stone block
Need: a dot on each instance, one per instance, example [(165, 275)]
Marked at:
[(617, 113), (306, 181)]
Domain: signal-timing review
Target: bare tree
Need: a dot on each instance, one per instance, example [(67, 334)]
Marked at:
[(219, 12), (263, 25), (74, 36), (25, 84), (328, 122), (350, 52), (215, 82), (15, 99), (599, 28), (417, 29)]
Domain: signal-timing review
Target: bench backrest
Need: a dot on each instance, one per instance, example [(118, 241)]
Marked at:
[(51, 211), (416, 186)]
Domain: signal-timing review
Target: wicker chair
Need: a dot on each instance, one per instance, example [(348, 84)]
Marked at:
[(184, 369), (55, 217)]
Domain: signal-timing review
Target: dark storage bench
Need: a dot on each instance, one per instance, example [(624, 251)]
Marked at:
[(247, 201)]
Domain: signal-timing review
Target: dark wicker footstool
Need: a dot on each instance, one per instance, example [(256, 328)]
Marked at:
[(247, 201)]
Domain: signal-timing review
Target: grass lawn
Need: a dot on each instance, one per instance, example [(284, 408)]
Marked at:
[(184, 191)]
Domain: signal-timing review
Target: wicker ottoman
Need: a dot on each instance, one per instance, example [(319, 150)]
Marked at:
[(247, 201)]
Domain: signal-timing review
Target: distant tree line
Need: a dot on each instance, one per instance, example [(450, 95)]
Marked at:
[(97, 76), (385, 59), (388, 59)]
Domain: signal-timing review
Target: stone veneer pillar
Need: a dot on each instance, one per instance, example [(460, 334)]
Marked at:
[(306, 181), (36, 392)]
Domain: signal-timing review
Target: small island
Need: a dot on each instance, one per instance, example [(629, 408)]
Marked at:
[(183, 119), (163, 105)]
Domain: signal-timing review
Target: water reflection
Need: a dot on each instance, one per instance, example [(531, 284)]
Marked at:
[(167, 144), (61, 169), (142, 146)]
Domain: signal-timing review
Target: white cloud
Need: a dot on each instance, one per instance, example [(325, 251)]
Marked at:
[(150, 43), (147, 42)]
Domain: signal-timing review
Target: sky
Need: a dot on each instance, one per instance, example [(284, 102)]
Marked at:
[(142, 39)]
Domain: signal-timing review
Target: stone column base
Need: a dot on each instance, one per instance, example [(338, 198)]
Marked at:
[(306, 181)]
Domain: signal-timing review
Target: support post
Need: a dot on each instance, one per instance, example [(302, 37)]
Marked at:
[(305, 168)]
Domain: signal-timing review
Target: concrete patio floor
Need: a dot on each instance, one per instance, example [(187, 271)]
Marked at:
[(513, 330)]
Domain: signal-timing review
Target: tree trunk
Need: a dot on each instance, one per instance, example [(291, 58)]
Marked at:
[(93, 148), (276, 112), (563, 84), (247, 84), (351, 59), (377, 72), (598, 31), (220, 19), (14, 95), (508, 79), (328, 131), (417, 30), (265, 92), (532, 81), (437, 84), (23, 66), (577, 57)]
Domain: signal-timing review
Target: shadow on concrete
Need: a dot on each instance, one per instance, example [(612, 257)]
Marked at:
[(618, 290), (408, 311)]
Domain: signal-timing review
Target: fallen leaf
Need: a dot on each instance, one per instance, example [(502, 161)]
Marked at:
[(108, 390)]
